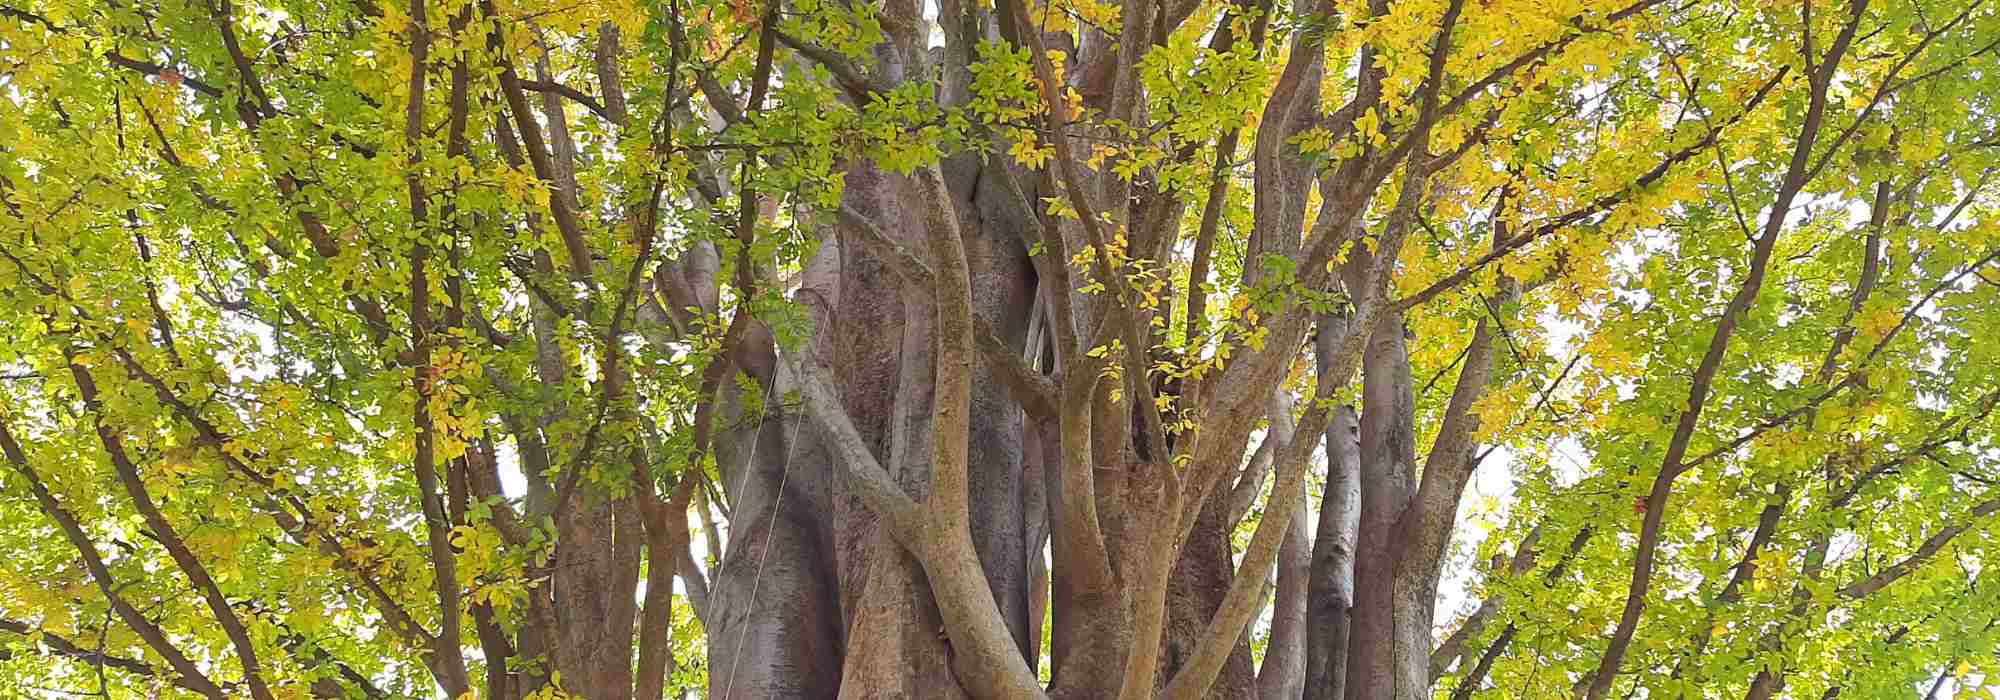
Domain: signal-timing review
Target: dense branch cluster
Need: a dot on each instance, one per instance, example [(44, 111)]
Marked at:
[(1342, 349)]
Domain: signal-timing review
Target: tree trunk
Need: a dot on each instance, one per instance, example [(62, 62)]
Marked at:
[(903, 654), (1331, 595), (596, 572), (1376, 660), (896, 648), (1200, 579), (1003, 297), (774, 626), (774, 622), (1283, 675)]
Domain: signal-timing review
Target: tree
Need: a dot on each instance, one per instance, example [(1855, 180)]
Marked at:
[(606, 350)]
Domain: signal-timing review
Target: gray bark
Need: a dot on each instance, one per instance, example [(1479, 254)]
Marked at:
[(596, 572), (1331, 594), (774, 610), (1387, 468), (1283, 674), (1200, 579)]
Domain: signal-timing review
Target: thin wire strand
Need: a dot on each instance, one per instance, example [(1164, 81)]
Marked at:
[(770, 528), (764, 411), (722, 558)]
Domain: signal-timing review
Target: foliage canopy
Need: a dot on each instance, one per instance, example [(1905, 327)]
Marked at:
[(397, 349)]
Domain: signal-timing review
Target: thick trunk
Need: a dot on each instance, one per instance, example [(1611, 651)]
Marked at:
[(1003, 296), (894, 648), (902, 654), (899, 650), (1283, 673), (1382, 618), (1089, 635), (1200, 579), (774, 622), (1089, 623), (1330, 597), (867, 368), (596, 572)]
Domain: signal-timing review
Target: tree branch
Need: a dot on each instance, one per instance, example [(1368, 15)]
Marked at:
[(423, 375), (574, 95), (1590, 209), (1936, 542), (190, 674), (168, 537), (1672, 465), (155, 70), (63, 647)]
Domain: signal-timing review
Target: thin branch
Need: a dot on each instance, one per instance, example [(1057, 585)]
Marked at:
[(574, 95), (856, 82), (155, 638), (64, 647), (164, 532), (1931, 546), (1595, 685), (159, 71), (1590, 209)]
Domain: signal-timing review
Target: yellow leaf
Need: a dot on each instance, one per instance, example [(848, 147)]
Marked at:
[(393, 19), (1098, 153)]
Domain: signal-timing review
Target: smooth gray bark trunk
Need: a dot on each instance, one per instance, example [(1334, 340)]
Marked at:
[(773, 631), (1283, 674), (1331, 594), (1387, 469)]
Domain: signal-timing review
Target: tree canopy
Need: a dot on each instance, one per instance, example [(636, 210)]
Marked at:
[(614, 349)]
